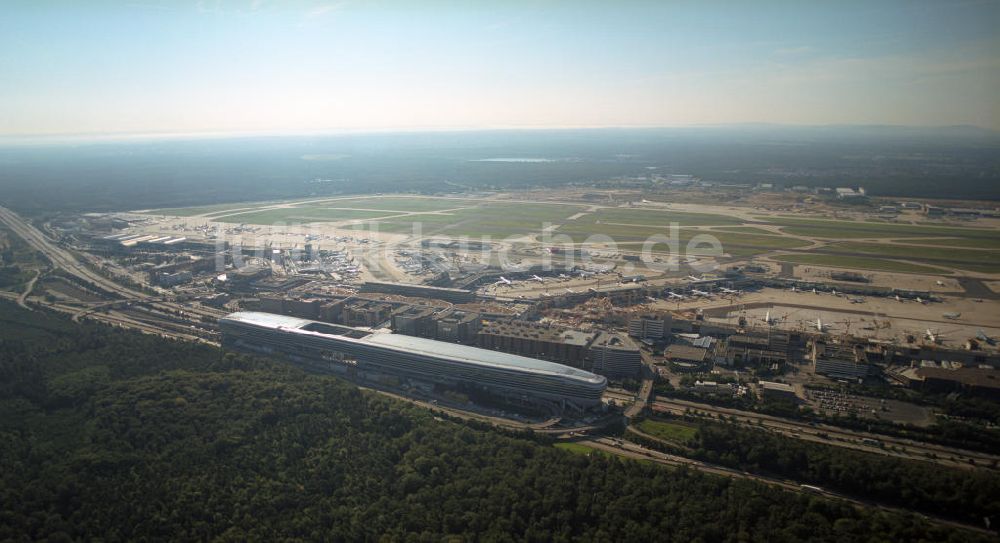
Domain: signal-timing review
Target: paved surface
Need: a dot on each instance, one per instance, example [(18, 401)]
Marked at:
[(840, 437)]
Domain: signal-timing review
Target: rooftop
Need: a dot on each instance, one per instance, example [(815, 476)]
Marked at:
[(428, 347), (685, 352)]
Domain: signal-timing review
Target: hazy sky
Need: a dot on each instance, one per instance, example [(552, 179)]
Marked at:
[(257, 65)]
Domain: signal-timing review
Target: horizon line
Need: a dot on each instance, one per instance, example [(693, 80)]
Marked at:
[(165, 135)]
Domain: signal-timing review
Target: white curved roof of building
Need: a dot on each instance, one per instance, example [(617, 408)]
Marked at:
[(428, 347)]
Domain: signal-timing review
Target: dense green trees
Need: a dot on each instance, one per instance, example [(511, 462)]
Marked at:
[(114, 435), (923, 486)]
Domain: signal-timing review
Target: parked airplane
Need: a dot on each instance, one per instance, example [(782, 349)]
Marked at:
[(697, 292), (676, 296), (730, 291), (504, 281), (951, 316), (981, 336), (768, 319), (820, 326), (932, 336), (858, 300), (693, 278), (537, 278)]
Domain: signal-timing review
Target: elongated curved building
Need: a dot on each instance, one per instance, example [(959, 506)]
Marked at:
[(373, 355)]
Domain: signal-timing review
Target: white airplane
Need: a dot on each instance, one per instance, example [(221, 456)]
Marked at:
[(898, 299), (951, 316), (571, 291), (730, 291), (504, 281), (676, 296), (921, 300), (537, 278), (814, 291), (584, 273), (931, 336), (981, 336), (693, 278), (820, 326), (651, 299), (697, 292), (794, 288), (834, 292), (939, 283), (772, 320), (563, 276)]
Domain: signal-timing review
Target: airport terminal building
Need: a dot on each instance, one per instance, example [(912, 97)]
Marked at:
[(421, 362)]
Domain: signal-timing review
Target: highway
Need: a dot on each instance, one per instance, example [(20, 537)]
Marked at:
[(63, 259), (22, 300), (837, 436), (638, 452)]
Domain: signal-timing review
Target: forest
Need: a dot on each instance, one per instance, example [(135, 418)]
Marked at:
[(114, 435)]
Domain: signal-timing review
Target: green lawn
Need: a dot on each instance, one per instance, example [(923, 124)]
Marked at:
[(862, 263), (668, 431)]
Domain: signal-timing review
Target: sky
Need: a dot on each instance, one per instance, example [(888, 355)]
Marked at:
[(219, 66)]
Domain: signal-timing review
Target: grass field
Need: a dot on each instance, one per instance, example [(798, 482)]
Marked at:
[(494, 219), (745, 230), (855, 229), (736, 244), (393, 203), (501, 219), (965, 259), (646, 217), (577, 448), (969, 243), (668, 431), (860, 263)]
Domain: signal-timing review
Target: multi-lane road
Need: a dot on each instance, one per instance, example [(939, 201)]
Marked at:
[(66, 261), (837, 436), (638, 452)]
